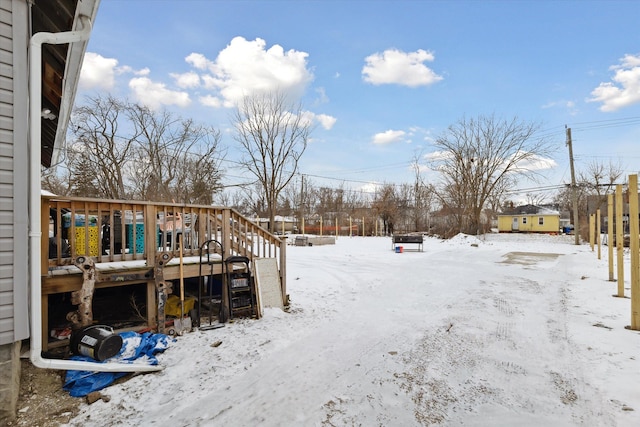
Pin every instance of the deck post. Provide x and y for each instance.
(226, 238)
(150, 234)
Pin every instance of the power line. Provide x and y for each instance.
(608, 123)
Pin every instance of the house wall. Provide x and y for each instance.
(551, 223)
(14, 309)
(14, 325)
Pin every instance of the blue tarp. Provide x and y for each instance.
(136, 348)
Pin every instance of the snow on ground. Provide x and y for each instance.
(500, 330)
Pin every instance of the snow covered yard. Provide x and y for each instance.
(459, 334)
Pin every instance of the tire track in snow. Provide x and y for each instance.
(521, 336)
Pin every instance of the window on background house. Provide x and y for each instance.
(541, 220)
(524, 219)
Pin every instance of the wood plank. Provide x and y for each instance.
(268, 286)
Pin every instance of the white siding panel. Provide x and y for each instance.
(6, 258)
(6, 83)
(7, 324)
(6, 122)
(6, 190)
(19, 208)
(6, 283)
(6, 298)
(6, 336)
(6, 177)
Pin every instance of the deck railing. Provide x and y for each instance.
(117, 230)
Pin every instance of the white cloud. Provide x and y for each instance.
(322, 96)
(210, 101)
(625, 88)
(242, 68)
(143, 72)
(388, 136)
(155, 95)
(437, 156)
(534, 163)
(569, 106)
(246, 67)
(326, 121)
(187, 80)
(396, 67)
(97, 72)
(371, 187)
(198, 60)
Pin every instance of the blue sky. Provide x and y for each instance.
(382, 79)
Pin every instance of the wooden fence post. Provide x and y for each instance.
(634, 244)
(592, 223)
(598, 233)
(610, 221)
(620, 241)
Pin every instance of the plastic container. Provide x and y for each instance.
(97, 341)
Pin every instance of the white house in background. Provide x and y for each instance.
(60, 69)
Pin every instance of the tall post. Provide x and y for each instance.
(610, 221)
(301, 224)
(592, 224)
(620, 241)
(320, 226)
(574, 190)
(350, 225)
(598, 233)
(362, 226)
(634, 244)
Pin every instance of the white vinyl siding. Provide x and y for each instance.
(14, 324)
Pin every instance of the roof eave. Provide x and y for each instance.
(75, 56)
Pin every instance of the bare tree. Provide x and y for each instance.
(273, 136)
(600, 178)
(237, 198)
(386, 207)
(564, 200)
(594, 183)
(483, 156)
(121, 150)
(57, 181)
(535, 199)
(423, 195)
(175, 159)
(100, 150)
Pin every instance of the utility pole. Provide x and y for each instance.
(574, 189)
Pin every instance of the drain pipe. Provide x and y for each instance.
(35, 231)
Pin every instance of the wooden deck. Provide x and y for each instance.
(115, 235)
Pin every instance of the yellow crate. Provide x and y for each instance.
(93, 241)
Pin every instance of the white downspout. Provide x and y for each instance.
(35, 232)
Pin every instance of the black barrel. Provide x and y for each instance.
(97, 341)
